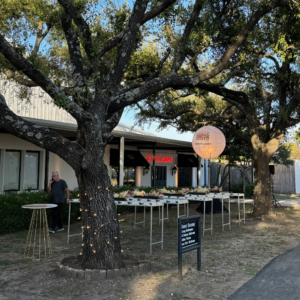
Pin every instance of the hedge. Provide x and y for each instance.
(238, 188)
(15, 218)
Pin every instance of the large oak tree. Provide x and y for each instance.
(90, 69)
(258, 110)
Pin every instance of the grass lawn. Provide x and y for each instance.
(229, 259)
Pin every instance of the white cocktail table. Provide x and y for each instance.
(146, 204)
(222, 198)
(38, 234)
(178, 201)
(69, 219)
(240, 197)
(204, 199)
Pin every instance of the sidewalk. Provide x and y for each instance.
(278, 280)
(284, 203)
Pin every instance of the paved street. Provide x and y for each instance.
(278, 280)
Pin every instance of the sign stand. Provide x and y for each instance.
(189, 238)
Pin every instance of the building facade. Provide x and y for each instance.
(134, 157)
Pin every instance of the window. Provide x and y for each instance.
(128, 176)
(12, 170)
(31, 174)
(114, 176)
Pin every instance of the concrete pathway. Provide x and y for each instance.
(278, 280)
(286, 203)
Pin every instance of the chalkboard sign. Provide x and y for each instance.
(189, 238)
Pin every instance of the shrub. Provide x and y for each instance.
(249, 190)
(238, 188)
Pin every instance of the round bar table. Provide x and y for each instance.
(38, 239)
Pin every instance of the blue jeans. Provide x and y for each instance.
(56, 221)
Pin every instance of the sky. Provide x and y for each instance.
(171, 133)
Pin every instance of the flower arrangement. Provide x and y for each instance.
(200, 190)
(160, 192)
(127, 194)
(184, 191)
(216, 189)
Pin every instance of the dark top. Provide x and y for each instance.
(58, 191)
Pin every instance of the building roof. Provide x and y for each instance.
(126, 128)
(133, 136)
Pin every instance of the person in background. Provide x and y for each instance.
(57, 187)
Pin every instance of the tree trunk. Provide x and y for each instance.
(262, 154)
(101, 246)
(262, 189)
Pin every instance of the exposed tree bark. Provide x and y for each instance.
(262, 154)
(101, 237)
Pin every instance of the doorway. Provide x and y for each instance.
(160, 176)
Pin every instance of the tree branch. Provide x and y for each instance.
(169, 30)
(180, 55)
(39, 136)
(85, 30)
(231, 75)
(39, 38)
(129, 38)
(177, 82)
(113, 42)
(157, 10)
(74, 50)
(22, 64)
(18, 78)
(263, 10)
(275, 62)
(160, 65)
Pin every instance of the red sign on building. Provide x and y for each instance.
(161, 159)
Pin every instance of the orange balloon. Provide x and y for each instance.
(209, 142)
